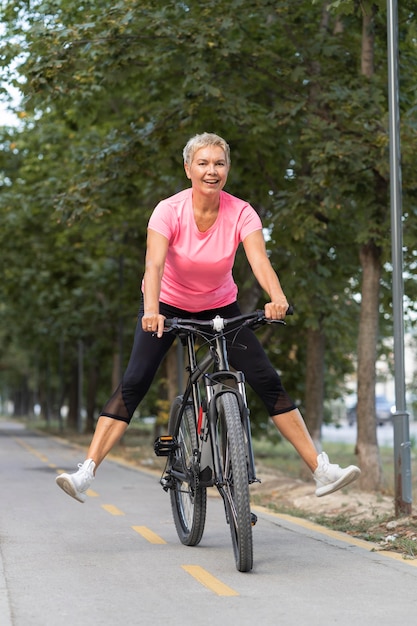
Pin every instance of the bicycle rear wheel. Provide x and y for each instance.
(188, 498)
(235, 490)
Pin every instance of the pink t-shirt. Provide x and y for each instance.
(198, 268)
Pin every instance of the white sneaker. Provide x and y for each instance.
(77, 483)
(330, 477)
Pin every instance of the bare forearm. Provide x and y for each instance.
(156, 251)
(151, 289)
(269, 281)
(278, 305)
(254, 245)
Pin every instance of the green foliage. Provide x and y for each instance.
(110, 96)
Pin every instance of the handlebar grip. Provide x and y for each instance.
(170, 323)
(290, 310)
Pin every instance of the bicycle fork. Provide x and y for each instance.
(210, 451)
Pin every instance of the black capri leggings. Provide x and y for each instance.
(148, 352)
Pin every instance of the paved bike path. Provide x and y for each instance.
(117, 559)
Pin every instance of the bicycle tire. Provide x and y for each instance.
(235, 490)
(188, 498)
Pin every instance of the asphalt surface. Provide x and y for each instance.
(117, 560)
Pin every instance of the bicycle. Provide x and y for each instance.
(209, 439)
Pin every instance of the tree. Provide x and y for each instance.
(112, 93)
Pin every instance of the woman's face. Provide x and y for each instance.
(208, 170)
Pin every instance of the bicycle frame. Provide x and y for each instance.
(205, 408)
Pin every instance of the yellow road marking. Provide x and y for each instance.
(209, 581)
(334, 534)
(32, 450)
(93, 494)
(340, 536)
(23, 444)
(148, 534)
(110, 508)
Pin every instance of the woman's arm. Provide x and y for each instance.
(156, 252)
(254, 245)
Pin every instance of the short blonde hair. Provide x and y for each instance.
(201, 141)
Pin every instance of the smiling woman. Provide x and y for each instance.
(192, 240)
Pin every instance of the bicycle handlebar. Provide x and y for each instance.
(219, 323)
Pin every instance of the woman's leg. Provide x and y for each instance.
(263, 378)
(292, 426)
(146, 356)
(107, 433)
(329, 477)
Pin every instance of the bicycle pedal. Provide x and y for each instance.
(166, 482)
(165, 445)
(253, 519)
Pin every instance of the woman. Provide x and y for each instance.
(191, 245)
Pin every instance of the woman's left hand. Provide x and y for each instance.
(276, 310)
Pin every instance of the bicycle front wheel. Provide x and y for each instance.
(235, 488)
(188, 498)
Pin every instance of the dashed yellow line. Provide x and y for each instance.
(148, 534)
(113, 510)
(92, 494)
(32, 450)
(209, 581)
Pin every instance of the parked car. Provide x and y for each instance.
(383, 409)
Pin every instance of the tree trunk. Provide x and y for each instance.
(368, 41)
(314, 395)
(92, 386)
(72, 419)
(22, 399)
(370, 258)
(367, 443)
(116, 368)
(314, 382)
